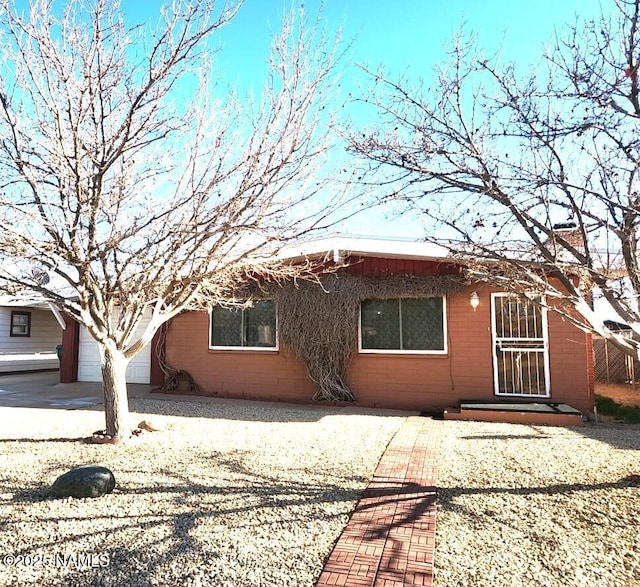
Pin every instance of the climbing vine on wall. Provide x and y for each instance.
(318, 320)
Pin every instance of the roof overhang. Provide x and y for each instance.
(338, 249)
(36, 303)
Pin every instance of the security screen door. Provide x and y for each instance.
(520, 343)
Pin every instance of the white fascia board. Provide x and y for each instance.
(34, 301)
(58, 315)
(343, 246)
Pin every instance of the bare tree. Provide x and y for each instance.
(126, 178)
(535, 176)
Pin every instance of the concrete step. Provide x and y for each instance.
(516, 413)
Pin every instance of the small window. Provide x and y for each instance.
(244, 328)
(403, 325)
(20, 324)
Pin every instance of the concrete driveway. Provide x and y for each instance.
(44, 390)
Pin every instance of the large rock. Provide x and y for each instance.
(84, 481)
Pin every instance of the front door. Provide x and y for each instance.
(520, 343)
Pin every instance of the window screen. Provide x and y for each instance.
(252, 327)
(403, 325)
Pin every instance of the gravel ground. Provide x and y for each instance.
(226, 495)
(538, 506)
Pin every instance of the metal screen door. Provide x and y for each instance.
(520, 357)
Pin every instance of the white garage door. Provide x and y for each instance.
(138, 370)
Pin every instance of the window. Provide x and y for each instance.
(406, 325)
(246, 328)
(20, 324)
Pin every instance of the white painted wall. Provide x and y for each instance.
(45, 332)
(89, 360)
(25, 353)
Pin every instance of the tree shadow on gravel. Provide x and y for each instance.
(504, 437)
(195, 501)
(414, 500)
(620, 436)
(447, 497)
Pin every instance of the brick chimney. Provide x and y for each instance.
(570, 233)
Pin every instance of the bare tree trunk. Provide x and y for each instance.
(114, 387)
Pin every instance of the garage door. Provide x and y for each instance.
(138, 370)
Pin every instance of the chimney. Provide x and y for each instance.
(570, 232)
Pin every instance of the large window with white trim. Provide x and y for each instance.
(403, 326)
(253, 327)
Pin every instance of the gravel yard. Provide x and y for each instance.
(227, 495)
(538, 506)
(235, 494)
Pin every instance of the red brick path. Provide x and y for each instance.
(389, 540)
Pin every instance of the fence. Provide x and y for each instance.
(613, 365)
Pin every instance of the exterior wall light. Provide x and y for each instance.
(474, 300)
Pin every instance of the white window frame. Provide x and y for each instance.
(445, 333)
(266, 349)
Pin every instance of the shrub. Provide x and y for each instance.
(608, 407)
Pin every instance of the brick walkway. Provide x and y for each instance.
(389, 540)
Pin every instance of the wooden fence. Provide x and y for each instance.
(613, 365)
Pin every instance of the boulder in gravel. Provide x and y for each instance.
(84, 481)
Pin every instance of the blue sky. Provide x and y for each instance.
(408, 33)
(405, 36)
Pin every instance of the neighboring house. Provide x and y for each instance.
(30, 331)
(426, 352)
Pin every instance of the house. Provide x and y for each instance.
(30, 331)
(388, 324)
(393, 325)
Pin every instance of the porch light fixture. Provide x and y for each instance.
(474, 300)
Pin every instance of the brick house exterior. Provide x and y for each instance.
(475, 363)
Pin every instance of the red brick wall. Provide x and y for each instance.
(432, 381)
(591, 368)
(156, 376)
(265, 375)
(570, 364)
(419, 382)
(70, 346)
